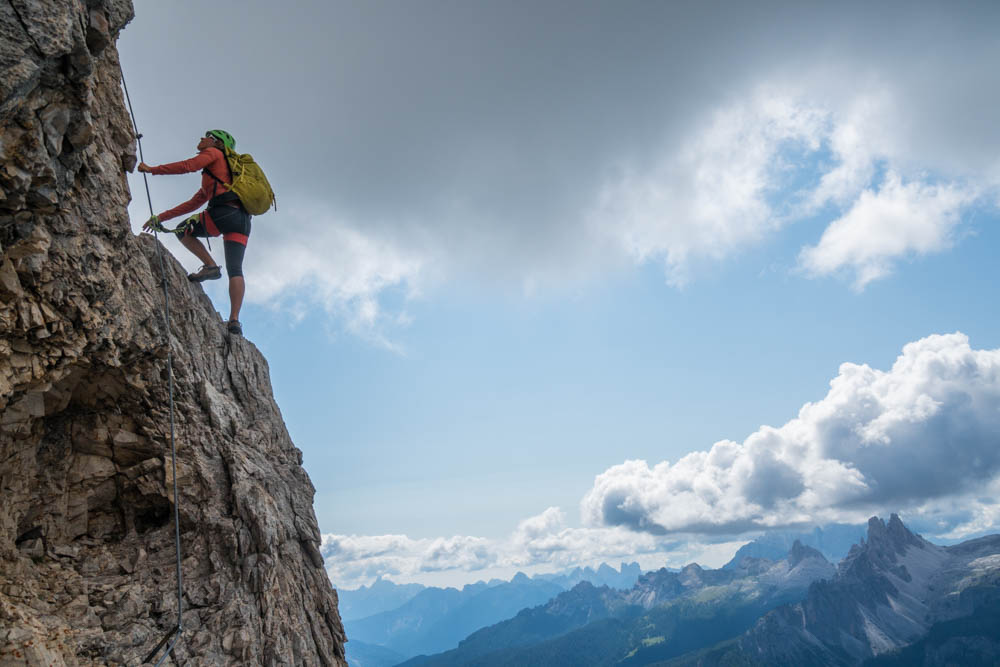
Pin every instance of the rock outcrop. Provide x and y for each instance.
(87, 558)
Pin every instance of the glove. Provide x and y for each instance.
(153, 225)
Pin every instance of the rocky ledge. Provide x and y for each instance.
(87, 558)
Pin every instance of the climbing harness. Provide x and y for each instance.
(187, 224)
(157, 226)
(175, 634)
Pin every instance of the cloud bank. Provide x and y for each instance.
(897, 220)
(923, 434)
(711, 195)
(338, 268)
(543, 542)
(922, 439)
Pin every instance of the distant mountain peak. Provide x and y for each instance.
(799, 552)
(901, 535)
(834, 541)
(889, 540)
(886, 593)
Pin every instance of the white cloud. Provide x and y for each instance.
(539, 543)
(860, 136)
(920, 438)
(329, 264)
(922, 432)
(711, 197)
(304, 257)
(771, 159)
(898, 220)
(458, 553)
(961, 516)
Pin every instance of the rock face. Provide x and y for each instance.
(87, 558)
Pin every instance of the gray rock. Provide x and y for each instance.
(87, 554)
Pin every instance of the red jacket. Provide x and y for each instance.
(212, 159)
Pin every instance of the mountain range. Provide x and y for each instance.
(605, 575)
(663, 615)
(433, 619)
(385, 595)
(890, 593)
(382, 595)
(895, 599)
(834, 541)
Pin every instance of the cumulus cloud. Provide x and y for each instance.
(773, 158)
(920, 438)
(860, 136)
(711, 196)
(924, 431)
(960, 516)
(897, 220)
(333, 265)
(542, 542)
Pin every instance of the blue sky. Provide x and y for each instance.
(497, 276)
(536, 395)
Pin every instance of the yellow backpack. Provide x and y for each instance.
(249, 182)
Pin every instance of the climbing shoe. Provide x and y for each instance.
(206, 273)
(235, 327)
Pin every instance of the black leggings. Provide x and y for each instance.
(230, 221)
(234, 257)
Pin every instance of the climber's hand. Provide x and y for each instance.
(152, 225)
(144, 168)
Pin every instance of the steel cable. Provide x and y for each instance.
(175, 634)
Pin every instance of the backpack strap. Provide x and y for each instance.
(217, 180)
(227, 197)
(208, 172)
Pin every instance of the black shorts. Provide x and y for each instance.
(233, 224)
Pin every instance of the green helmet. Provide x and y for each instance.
(223, 136)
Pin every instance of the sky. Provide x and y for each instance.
(557, 283)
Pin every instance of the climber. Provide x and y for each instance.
(225, 215)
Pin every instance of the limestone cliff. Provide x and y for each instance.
(86, 502)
